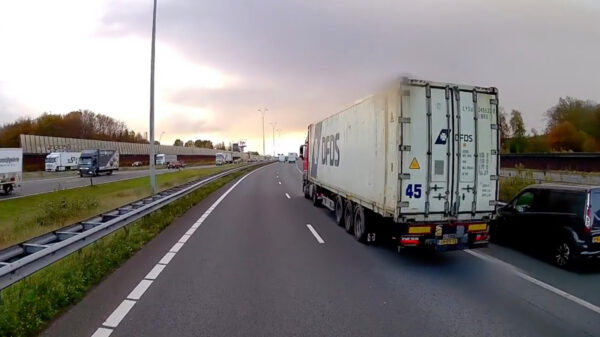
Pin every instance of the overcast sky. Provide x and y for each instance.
(218, 61)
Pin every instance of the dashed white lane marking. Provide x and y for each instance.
(287, 196)
(315, 234)
(115, 318)
(138, 291)
(167, 258)
(279, 182)
(121, 311)
(102, 332)
(153, 274)
(176, 247)
(535, 281)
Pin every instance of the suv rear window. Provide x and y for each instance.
(595, 200)
(563, 202)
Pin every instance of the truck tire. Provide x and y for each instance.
(360, 224)
(109, 173)
(306, 191)
(314, 195)
(348, 216)
(8, 189)
(339, 210)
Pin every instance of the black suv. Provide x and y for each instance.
(561, 220)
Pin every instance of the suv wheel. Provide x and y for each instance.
(563, 254)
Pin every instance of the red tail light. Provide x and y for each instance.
(588, 220)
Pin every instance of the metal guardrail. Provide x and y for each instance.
(24, 259)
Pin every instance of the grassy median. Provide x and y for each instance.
(27, 217)
(30, 304)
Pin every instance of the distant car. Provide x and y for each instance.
(176, 164)
(560, 221)
(136, 164)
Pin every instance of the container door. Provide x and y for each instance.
(475, 152)
(426, 150)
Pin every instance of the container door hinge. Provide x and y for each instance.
(404, 120)
(404, 148)
(403, 176)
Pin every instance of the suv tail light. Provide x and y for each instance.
(588, 219)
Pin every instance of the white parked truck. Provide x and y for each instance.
(223, 158)
(62, 161)
(417, 163)
(291, 158)
(11, 169)
(282, 158)
(165, 159)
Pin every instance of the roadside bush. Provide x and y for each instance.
(510, 186)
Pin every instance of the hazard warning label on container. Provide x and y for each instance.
(414, 164)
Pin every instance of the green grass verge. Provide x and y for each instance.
(24, 218)
(27, 306)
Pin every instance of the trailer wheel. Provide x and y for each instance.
(109, 173)
(339, 211)
(348, 216)
(306, 191)
(315, 199)
(360, 224)
(8, 189)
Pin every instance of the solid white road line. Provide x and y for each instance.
(287, 196)
(167, 258)
(153, 274)
(138, 291)
(535, 281)
(102, 332)
(315, 234)
(115, 318)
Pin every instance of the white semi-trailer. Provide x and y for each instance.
(418, 162)
(11, 169)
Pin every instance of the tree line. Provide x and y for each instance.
(83, 124)
(573, 125)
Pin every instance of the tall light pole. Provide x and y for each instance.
(278, 137)
(273, 124)
(152, 151)
(263, 111)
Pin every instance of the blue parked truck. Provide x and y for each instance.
(96, 162)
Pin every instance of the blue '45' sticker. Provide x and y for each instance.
(413, 192)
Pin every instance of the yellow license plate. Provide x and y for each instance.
(596, 239)
(477, 227)
(445, 242)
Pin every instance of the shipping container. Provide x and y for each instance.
(423, 155)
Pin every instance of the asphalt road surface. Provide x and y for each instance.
(245, 262)
(37, 186)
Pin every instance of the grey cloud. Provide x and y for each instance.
(312, 56)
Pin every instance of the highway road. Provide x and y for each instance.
(37, 186)
(257, 259)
